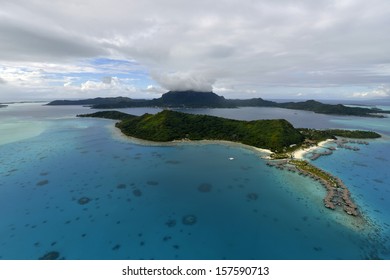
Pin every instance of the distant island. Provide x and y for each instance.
(193, 99)
(3, 105)
(278, 136)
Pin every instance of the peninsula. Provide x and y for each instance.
(169, 125)
(278, 136)
(193, 99)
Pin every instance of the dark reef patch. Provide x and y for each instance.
(53, 255)
(205, 187)
(171, 223)
(121, 186)
(189, 220)
(172, 162)
(84, 200)
(43, 182)
(137, 192)
(317, 249)
(166, 238)
(252, 196)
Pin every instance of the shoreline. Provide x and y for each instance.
(118, 134)
(300, 153)
(354, 218)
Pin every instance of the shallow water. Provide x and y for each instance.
(77, 190)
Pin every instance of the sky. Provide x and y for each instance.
(307, 49)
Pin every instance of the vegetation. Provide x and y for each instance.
(305, 166)
(277, 135)
(339, 109)
(358, 134)
(170, 125)
(113, 115)
(92, 101)
(321, 135)
(193, 99)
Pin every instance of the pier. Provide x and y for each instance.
(338, 195)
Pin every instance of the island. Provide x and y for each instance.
(3, 105)
(169, 125)
(193, 99)
(278, 136)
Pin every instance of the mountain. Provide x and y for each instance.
(193, 99)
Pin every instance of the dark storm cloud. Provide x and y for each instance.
(25, 43)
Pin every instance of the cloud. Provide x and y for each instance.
(2, 81)
(107, 80)
(253, 47)
(379, 92)
(30, 44)
(153, 89)
(180, 81)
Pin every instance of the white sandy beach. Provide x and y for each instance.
(298, 154)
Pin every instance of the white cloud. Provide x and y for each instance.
(379, 92)
(108, 84)
(154, 89)
(251, 45)
(180, 81)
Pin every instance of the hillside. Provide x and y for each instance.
(170, 125)
(192, 99)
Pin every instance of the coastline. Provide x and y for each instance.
(119, 135)
(299, 153)
(355, 220)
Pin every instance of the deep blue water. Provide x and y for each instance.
(74, 186)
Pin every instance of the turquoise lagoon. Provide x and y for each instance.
(77, 187)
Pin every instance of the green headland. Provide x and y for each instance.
(278, 135)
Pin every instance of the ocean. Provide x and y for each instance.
(75, 188)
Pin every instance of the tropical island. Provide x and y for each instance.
(278, 136)
(193, 99)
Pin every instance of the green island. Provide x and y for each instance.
(170, 125)
(278, 136)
